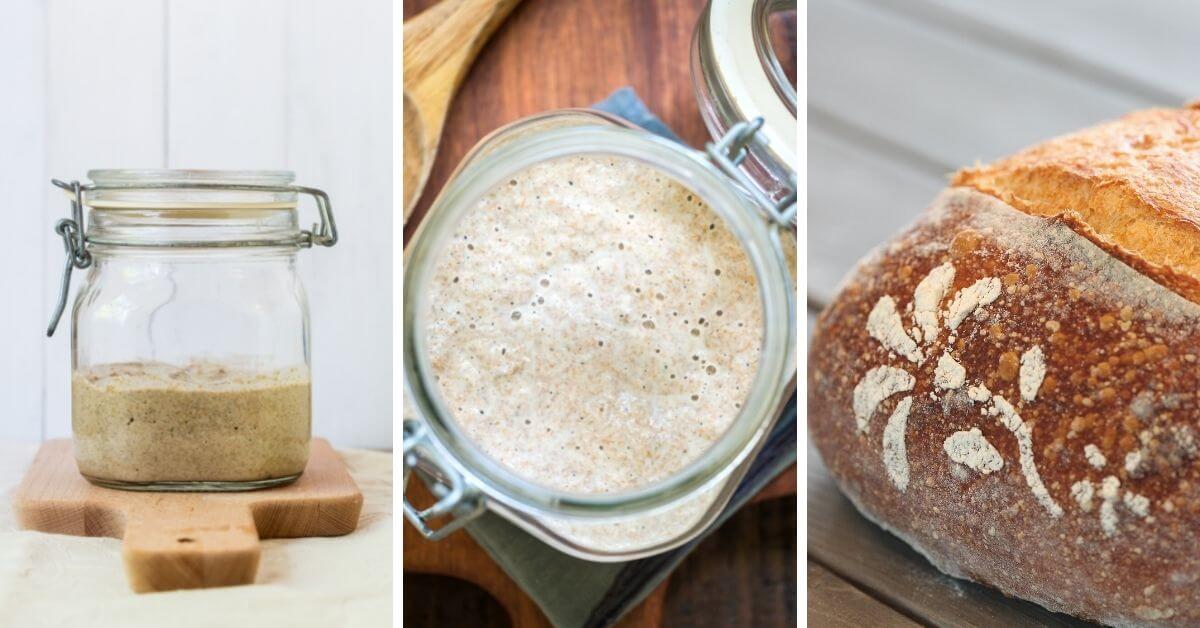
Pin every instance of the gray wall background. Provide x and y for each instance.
(901, 93)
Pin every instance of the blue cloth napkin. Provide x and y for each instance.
(575, 592)
(625, 103)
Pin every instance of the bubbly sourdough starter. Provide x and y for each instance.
(153, 422)
(593, 326)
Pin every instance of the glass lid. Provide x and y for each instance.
(743, 68)
(215, 208)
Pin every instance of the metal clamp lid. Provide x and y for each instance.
(731, 150)
(75, 240)
(455, 498)
(728, 153)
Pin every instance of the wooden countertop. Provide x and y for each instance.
(553, 54)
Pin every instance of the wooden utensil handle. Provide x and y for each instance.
(205, 545)
(446, 37)
(455, 21)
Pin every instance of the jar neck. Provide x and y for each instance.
(104, 255)
(202, 226)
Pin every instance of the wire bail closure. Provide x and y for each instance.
(74, 245)
(731, 150)
(455, 498)
(75, 241)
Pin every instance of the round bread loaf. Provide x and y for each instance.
(1011, 384)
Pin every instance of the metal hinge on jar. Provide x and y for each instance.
(731, 150)
(728, 153)
(456, 500)
(75, 242)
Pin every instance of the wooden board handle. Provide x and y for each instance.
(206, 545)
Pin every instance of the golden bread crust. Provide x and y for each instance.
(1134, 182)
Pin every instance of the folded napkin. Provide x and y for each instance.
(575, 592)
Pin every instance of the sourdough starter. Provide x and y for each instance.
(593, 326)
(153, 422)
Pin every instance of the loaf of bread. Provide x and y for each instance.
(1011, 384)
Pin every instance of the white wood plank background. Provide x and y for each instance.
(22, 162)
(903, 92)
(301, 85)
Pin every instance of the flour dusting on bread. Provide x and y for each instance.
(1033, 371)
(1110, 488)
(1011, 420)
(1139, 504)
(1083, 491)
(971, 298)
(1133, 461)
(878, 384)
(927, 299)
(978, 393)
(895, 453)
(949, 373)
(884, 325)
(972, 449)
(1094, 456)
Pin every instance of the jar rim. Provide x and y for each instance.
(176, 208)
(167, 190)
(494, 160)
(761, 15)
(133, 176)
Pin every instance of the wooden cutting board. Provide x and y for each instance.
(187, 540)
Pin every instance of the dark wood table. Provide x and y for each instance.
(568, 53)
(552, 54)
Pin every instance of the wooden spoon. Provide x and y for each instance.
(439, 46)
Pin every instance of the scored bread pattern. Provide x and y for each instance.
(969, 448)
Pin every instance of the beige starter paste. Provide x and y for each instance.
(154, 422)
(593, 326)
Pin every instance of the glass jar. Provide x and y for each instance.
(737, 76)
(190, 332)
(452, 450)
